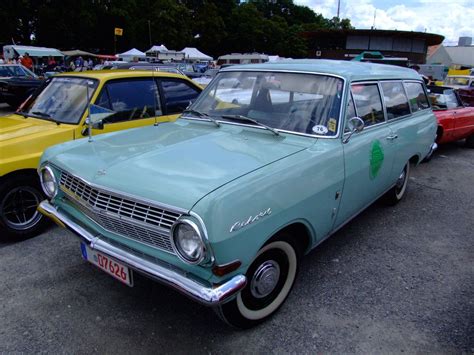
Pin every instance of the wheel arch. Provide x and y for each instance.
(22, 172)
(299, 231)
(415, 159)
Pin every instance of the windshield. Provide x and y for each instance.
(63, 100)
(16, 70)
(302, 103)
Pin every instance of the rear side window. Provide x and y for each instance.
(178, 95)
(396, 101)
(416, 96)
(368, 103)
(130, 99)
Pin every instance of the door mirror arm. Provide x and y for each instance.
(356, 125)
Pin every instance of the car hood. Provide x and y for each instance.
(175, 163)
(17, 127)
(24, 140)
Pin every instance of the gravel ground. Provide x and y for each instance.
(394, 280)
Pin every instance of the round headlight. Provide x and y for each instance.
(48, 182)
(187, 242)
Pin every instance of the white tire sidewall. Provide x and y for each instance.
(400, 194)
(272, 307)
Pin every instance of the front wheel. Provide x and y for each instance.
(19, 198)
(396, 193)
(270, 279)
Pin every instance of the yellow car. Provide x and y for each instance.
(57, 113)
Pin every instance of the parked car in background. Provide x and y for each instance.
(455, 120)
(467, 95)
(57, 113)
(145, 66)
(459, 81)
(17, 83)
(206, 78)
(223, 203)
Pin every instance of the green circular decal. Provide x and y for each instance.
(376, 159)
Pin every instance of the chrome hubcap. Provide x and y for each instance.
(265, 279)
(18, 208)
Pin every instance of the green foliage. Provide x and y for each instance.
(214, 26)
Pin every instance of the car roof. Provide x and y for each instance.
(351, 71)
(121, 73)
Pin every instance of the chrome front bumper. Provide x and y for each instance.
(209, 296)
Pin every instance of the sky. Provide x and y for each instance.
(450, 18)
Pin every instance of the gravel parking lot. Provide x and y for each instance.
(398, 279)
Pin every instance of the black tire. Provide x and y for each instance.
(19, 198)
(396, 193)
(470, 141)
(277, 265)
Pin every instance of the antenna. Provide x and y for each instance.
(375, 14)
(154, 95)
(88, 119)
(338, 7)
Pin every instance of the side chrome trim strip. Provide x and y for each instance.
(209, 296)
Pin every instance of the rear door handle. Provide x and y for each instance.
(392, 137)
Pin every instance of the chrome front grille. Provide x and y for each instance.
(136, 220)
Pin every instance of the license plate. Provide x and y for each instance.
(108, 264)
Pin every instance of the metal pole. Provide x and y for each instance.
(149, 32)
(338, 7)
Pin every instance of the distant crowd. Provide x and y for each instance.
(44, 64)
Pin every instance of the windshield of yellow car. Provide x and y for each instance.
(62, 100)
(291, 102)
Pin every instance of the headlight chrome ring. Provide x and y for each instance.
(185, 244)
(48, 181)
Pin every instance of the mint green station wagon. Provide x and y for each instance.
(268, 162)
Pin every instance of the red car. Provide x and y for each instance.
(467, 95)
(455, 121)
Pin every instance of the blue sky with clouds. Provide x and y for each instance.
(450, 18)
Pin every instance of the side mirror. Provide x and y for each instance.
(95, 125)
(98, 125)
(355, 125)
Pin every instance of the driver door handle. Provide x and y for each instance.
(392, 137)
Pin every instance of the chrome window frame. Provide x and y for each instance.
(376, 82)
(343, 100)
(423, 86)
(385, 106)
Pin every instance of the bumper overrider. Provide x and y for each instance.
(210, 296)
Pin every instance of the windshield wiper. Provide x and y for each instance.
(202, 115)
(44, 115)
(245, 118)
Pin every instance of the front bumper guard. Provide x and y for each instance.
(210, 296)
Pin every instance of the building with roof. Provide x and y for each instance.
(346, 44)
(460, 56)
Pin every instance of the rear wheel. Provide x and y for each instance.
(396, 193)
(19, 199)
(270, 279)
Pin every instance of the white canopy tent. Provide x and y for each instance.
(162, 53)
(131, 55)
(10, 51)
(191, 53)
(160, 48)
